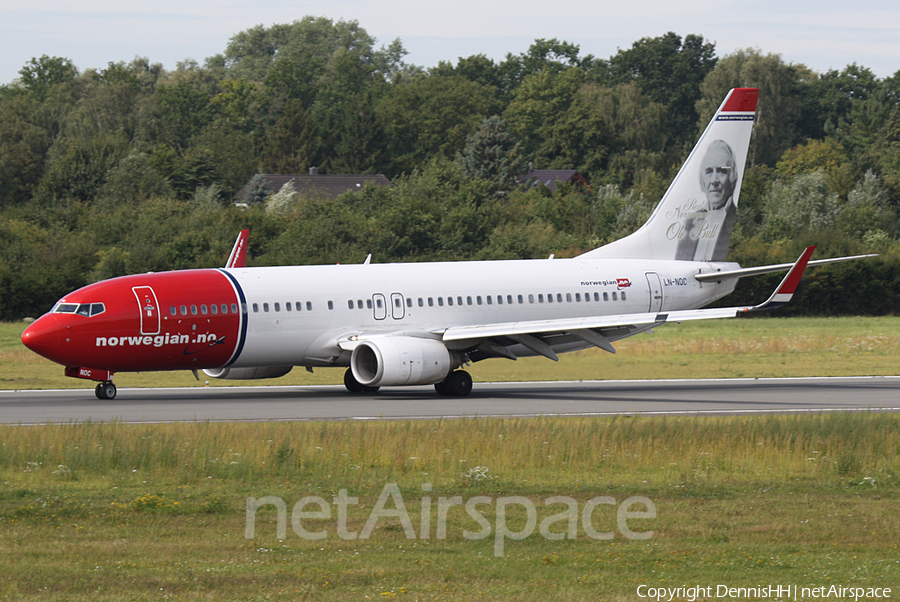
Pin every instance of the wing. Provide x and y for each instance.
(492, 340)
(238, 257)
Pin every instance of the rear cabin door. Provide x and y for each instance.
(656, 291)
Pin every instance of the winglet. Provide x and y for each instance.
(785, 290)
(238, 257)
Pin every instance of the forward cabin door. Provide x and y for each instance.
(149, 307)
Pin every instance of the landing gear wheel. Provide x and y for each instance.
(457, 384)
(105, 391)
(354, 386)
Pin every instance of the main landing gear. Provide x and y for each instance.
(354, 386)
(457, 384)
(105, 390)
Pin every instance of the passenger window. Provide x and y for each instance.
(597, 296)
(255, 308)
(277, 306)
(359, 304)
(430, 302)
(499, 299)
(540, 298)
(421, 302)
(478, 299)
(409, 302)
(568, 297)
(203, 309)
(606, 296)
(530, 298)
(214, 309)
(559, 297)
(350, 304)
(489, 300)
(468, 300)
(378, 302)
(309, 306)
(266, 307)
(331, 305)
(397, 302)
(298, 306)
(550, 298)
(183, 310)
(623, 295)
(234, 307)
(450, 301)
(521, 300)
(614, 296)
(173, 310)
(441, 301)
(193, 310)
(287, 306)
(578, 297)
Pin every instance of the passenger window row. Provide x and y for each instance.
(213, 309)
(492, 300)
(289, 306)
(449, 301)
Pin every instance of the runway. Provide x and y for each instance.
(582, 398)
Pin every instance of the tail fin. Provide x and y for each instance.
(695, 217)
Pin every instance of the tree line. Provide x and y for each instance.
(133, 168)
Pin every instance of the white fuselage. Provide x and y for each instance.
(296, 315)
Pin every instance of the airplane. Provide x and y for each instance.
(402, 324)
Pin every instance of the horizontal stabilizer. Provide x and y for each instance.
(770, 269)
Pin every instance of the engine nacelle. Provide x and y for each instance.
(399, 360)
(249, 373)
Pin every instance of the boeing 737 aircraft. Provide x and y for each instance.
(416, 324)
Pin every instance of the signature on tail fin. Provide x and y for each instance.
(695, 218)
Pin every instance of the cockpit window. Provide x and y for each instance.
(82, 309)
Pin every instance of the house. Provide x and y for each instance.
(553, 178)
(313, 185)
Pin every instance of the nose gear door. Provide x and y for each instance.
(149, 307)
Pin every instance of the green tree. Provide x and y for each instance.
(431, 116)
(492, 153)
(668, 70)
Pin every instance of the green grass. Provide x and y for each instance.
(138, 512)
(134, 512)
(754, 347)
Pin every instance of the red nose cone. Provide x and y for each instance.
(42, 336)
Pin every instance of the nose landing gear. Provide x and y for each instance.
(105, 390)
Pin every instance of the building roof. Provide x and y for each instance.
(552, 178)
(315, 185)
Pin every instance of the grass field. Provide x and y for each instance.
(148, 512)
(743, 347)
(115, 512)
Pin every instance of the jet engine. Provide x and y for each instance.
(249, 373)
(400, 360)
